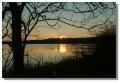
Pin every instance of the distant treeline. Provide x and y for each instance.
(64, 40)
(58, 40)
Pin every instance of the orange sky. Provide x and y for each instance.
(61, 29)
(67, 31)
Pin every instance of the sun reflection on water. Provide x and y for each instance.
(62, 48)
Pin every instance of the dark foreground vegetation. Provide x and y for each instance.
(102, 64)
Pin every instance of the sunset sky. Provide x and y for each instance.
(62, 29)
(43, 31)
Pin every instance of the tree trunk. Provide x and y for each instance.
(18, 54)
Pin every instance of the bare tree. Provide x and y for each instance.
(27, 16)
(16, 11)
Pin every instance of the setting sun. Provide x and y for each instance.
(62, 37)
(59, 39)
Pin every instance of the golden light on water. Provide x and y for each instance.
(62, 48)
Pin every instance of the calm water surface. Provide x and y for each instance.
(52, 53)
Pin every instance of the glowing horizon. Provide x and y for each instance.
(44, 31)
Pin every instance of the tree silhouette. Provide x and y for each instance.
(36, 13)
(18, 55)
